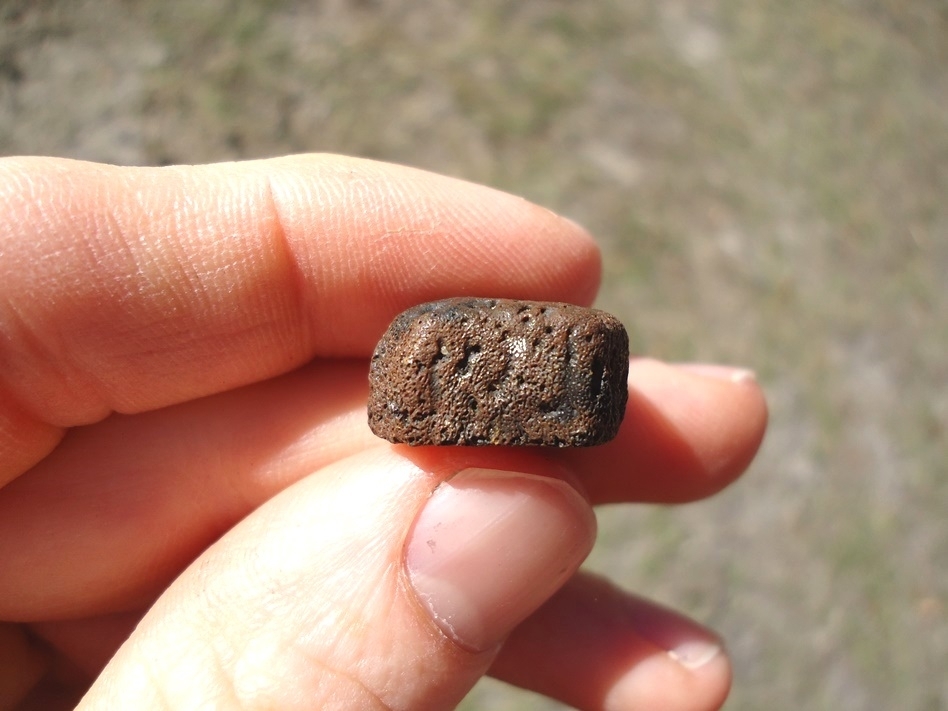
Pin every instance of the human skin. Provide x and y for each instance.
(193, 512)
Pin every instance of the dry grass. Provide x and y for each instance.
(769, 182)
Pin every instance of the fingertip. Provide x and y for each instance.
(595, 646)
(735, 428)
(418, 236)
(489, 547)
(688, 432)
(585, 254)
(718, 414)
(665, 681)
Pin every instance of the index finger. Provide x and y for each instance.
(127, 289)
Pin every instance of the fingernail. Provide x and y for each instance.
(694, 654)
(703, 666)
(491, 546)
(721, 372)
(682, 641)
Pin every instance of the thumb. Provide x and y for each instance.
(374, 583)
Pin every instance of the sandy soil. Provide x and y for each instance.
(768, 180)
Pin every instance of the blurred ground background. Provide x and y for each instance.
(769, 181)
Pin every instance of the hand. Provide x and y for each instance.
(193, 513)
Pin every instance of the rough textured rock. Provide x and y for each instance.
(474, 371)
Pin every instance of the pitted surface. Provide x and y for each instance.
(472, 371)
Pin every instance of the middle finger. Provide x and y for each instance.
(116, 512)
